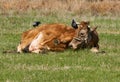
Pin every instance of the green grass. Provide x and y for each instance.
(67, 66)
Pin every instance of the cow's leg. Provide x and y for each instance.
(19, 49)
(36, 42)
(37, 51)
(95, 48)
(22, 48)
(66, 39)
(57, 49)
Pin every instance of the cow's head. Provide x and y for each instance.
(82, 34)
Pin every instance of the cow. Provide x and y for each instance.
(58, 37)
(46, 37)
(85, 37)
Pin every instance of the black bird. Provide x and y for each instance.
(36, 23)
(73, 24)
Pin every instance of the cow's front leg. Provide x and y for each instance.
(66, 39)
(94, 49)
(57, 49)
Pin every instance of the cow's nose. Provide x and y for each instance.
(81, 34)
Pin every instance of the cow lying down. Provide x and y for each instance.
(58, 37)
(53, 37)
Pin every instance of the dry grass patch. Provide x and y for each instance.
(106, 7)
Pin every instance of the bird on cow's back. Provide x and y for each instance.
(36, 23)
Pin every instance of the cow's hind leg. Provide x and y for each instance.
(19, 49)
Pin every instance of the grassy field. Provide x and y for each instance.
(67, 66)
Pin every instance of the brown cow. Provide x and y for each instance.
(56, 37)
(53, 37)
(85, 37)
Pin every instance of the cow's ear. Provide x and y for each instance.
(74, 24)
(94, 29)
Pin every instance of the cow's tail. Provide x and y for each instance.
(10, 51)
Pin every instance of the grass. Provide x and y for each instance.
(67, 66)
